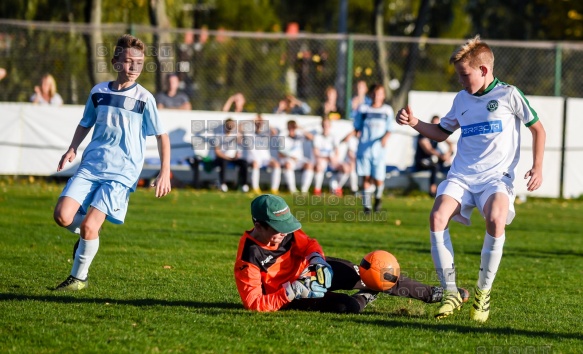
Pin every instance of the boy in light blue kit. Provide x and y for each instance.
(373, 124)
(122, 114)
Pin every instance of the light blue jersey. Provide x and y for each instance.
(121, 120)
(373, 123)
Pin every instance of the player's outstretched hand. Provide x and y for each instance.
(162, 184)
(322, 270)
(311, 280)
(299, 290)
(69, 156)
(535, 181)
(405, 117)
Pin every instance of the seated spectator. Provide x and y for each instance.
(360, 98)
(235, 103)
(347, 167)
(260, 156)
(428, 156)
(325, 151)
(329, 107)
(172, 98)
(291, 105)
(227, 151)
(46, 93)
(292, 158)
(2, 73)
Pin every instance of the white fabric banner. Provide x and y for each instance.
(33, 138)
(573, 183)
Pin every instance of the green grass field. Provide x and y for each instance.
(163, 282)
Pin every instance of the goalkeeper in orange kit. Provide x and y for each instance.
(279, 267)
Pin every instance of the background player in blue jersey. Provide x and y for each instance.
(489, 114)
(122, 113)
(373, 126)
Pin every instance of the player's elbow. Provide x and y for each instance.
(441, 137)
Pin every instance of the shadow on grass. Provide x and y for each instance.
(530, 253)
(415, 246)
(67, 299)
(468, 329)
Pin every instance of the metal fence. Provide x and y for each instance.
(265, 66)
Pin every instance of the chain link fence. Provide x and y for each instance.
(214, 65)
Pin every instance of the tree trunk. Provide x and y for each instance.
(165, 49)
(413, 57)
(99, 53)
(382, 57)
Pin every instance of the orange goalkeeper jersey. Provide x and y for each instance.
(260, 271)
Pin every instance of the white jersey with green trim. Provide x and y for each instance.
(489, 145)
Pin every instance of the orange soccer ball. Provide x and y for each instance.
(379, 270)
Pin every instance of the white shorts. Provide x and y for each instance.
(262, 157)
(109, 197)
(476, 197)
(296, 164)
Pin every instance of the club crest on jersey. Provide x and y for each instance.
(129, 103)
(492, 105)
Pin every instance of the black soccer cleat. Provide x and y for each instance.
(378, 203)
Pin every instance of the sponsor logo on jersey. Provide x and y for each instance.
(492, 105)
(494, 126)
(263, 262)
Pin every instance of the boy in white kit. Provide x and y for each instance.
(259, 155)
(292, 158)
(489, 114)
(122, 113)
(325, 151)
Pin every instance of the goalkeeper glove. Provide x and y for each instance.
(321, 268)
(299, 290)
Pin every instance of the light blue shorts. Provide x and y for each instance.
(109, 197)
(374, 167)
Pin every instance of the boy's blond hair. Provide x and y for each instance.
(475, 52)
(127, 41)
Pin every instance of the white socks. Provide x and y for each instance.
(275, 179)
(290, 179)
(83, 257)
(367, 196)
(318, 180)
(307, 177)
(442, 254)
(255, 179)
(76, 224)
(379, 191)
(353, 181)
(491, 256)
(342, 178)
